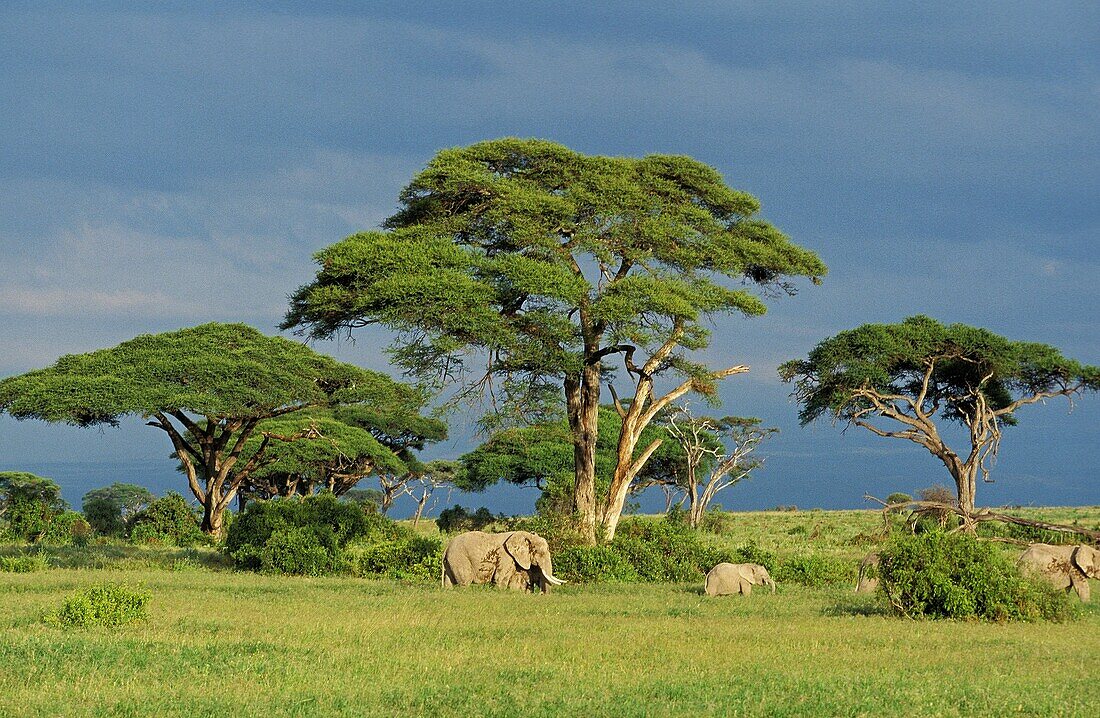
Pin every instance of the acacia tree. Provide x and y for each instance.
(515, 268)
(717, 454)
(207, 387)
(110, 508)
(330, 455)
(919, 373)
(404, 432)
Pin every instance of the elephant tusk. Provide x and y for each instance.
(553, 581)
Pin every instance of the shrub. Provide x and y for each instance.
(751, 553)
(296, 551)
(898, 497)
(814, 570)
(560, 531)
(593, 564)
(290, 535)
(27, 563)
(67, 529)
(666, 550)
(168, 521)
(941, 575)
(407, 557)
(102, 605)
(717, 522)
(456, 519)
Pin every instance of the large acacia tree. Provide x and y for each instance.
(516, 269)
(904, 380)
(208, 388)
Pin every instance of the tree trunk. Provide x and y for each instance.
(583, 404)
(696, 507)
(419, 510)
(212, 517)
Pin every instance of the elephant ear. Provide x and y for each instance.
(1086, 559)
(519, 548)
(747, 572)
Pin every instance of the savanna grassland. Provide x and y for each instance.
(219, 642)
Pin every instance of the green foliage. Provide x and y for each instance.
(106, 604)
(66, 528)
(297, 550)
(485, 251)
(167, 521)
(594, 564)
(29, 504)
(542, 456)
(898, 497)
(457, 519)
(892, 357)
(109, 509)
(328, 451)
(751, 553)
(406, 556)
(25, 563)
(291, 534)
(814, 570)
(213, 370)
(942, 575)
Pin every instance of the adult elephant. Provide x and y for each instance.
(1065, 567)
(519, 560)
(728, 578)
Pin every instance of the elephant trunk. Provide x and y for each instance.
(771, 584)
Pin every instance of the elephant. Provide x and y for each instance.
(1064, 567)
(518, 560)
(728, 578)
(867, 581)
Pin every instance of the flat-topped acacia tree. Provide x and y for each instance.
(516, 268)
(919, 373)
(207, 387)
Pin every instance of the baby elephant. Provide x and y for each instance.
(727, 578)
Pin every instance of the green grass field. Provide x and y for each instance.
(221, 643)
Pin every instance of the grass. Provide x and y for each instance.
(223, 643)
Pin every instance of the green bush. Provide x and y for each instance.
(66, 529)
(102, 605)
(290, 535)
(405, 557)
(751, 553)
(167, 521)
(717, 522)
(27, 563)
(297, 551)
(942, 575)
(814, 570)
(666, 550)
(457, 519)
(593, 564)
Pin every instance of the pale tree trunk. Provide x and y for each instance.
(643, 409)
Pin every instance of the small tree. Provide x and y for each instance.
(920, 373)
(28, 503)
(434, 475)
(109, 509)
(717, 454)
(208, 388)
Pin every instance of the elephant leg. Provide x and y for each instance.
(1081, 586)
(746, 587)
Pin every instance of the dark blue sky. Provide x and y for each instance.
(161, 168)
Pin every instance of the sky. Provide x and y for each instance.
(164, 165)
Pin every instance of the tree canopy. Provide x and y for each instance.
(516, 268)
(921, 371)
(108, 509)
(207, 387)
